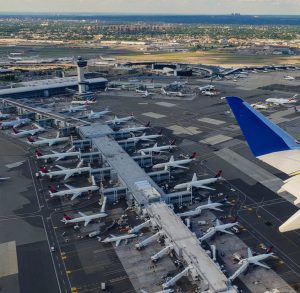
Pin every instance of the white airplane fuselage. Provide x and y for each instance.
(50, 141)
(172, 164)
(157, 149)
(196, 184)
(86, 218)
(71, 172)
(79, 191)
(59, 156)
(29, 132)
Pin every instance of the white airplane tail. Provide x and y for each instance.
(250, 254)
(93, 181)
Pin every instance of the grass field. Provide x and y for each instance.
(226, 59)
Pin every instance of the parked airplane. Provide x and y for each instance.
(177, 94)
(195, 183)
(4, 178)
(31, 132)
(163, 291)
(65, 171)
(282, 101)
(158, 149)
(271, 144)
(209, 206)
(206, 88)
(118, 239)
(73, 191)
(259, 106)
(144, 93)
(86, 102)
(117, 120)
(74, 109)
(175, 164)
(98, 115)
(254, 260)
(218, 228)
(86, 218)
(134, 129)
(107, 58)
(288, 77)
(48, 141)
(4, 116)
(14, 123)
(57, 156)
(208, 93)
(144, 137)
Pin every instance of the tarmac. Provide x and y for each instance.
(202, 124)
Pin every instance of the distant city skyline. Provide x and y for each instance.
(260, 7)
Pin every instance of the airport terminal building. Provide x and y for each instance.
(51, 87)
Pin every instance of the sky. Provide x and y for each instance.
(279, 7)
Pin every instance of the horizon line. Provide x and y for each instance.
(137, 14)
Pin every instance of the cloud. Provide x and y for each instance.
(155, 6)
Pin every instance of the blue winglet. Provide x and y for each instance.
(262, 136)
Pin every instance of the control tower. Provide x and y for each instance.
(81, 65)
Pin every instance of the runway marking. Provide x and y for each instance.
(211, 121)
(216, 139)
(154, 115)
(190, 130)
(165, 104)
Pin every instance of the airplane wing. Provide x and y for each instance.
(75, 195)
(178, 166)
(69, 186)
(271, 144)
(261, 265)
(118, 242)
(225, 231)
(103, 204)
(60, 167)
(68, 175)
(216, 209)
(201, 186)
(59, 158)
(86, 222)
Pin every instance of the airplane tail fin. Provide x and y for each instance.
(44, 170)
(173, 142)
(148, 124)
(160, 132)
(263, 136)
(171, 159)
(38, 153)
(270, 249)
(93, 181)
(52, 189)
(66, 218)
(193, 156)
(218, 174)
(295, 109)
(30, 139)
(15, 130)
